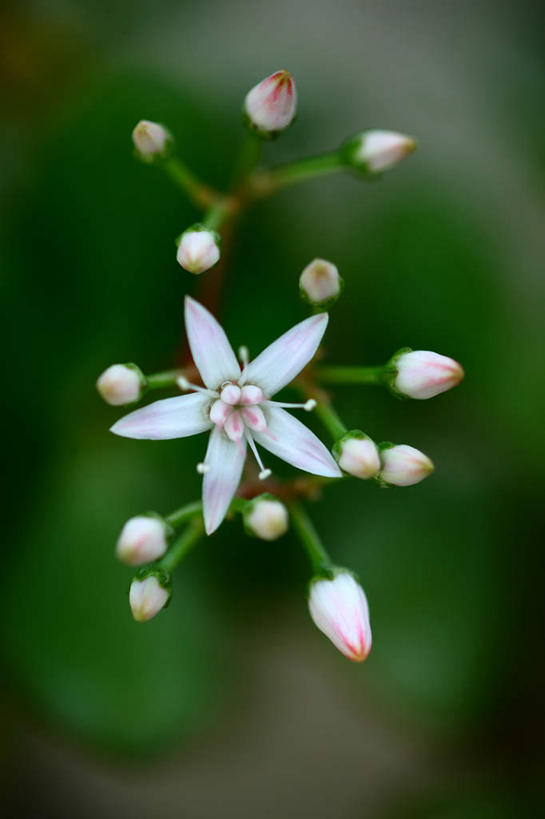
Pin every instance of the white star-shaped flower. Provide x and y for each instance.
(235, 405)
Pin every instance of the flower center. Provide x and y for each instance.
(237, 410)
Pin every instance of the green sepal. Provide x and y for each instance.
(197, 228)
(390, 373)
(261, 133)
(353, 433)
(163, 578)
(348, 154)
(379, 480)
(326, 304)
(329, 572)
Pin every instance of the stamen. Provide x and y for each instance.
(308, 406)
(265, 473)
(185, 385)
(244, 355)
(203, 468)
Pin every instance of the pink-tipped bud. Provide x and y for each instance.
(198, 249)
(357, 455)
(142, 539)
(121, 384)
(147, 597)
(422, 374)
(270, 106)
(266, 518)
(320, 283)
(339, 609)
(403, 465)
(373, 152)
(151, 140)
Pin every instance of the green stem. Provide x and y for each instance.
(310, 539)
(201, 195)
(185, 513)
(216, 214)
(267, 182)
(250, 153)
(158, 381)
(330, 419)
(182, 545)
(350, 375)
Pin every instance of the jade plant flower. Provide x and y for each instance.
(235, 406)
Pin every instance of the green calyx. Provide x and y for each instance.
(325, 304)
(351, 434)
(161, 575)
(141, 377)
(197, 228)
(390, 372)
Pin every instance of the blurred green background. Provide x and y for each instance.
(231, 703)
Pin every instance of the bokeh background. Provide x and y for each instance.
(231, 703)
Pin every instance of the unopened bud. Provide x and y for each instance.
(403, 465)
(121, 384)
(270, 106)
(373, 152)
(339, 609)
(149, 593)
(198, 249)
(151, 140)
(266, 517)
(422, 374)
(142, 539)
(357, 454)
(320, 283)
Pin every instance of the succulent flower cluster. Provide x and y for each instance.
(230, 397)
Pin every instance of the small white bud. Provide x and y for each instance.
(147, 597)
(339, 609)
(142, 539)
(266, 517)
(271, 105)
(357, 455)
(198, 250)
(120, 384)
(150, 139)
(373, 152)
(320, 283)
(422, 374)
(403, 465)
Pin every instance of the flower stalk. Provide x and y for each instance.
(201, 194)
(322, 565)
(351, 375)
(183, 544)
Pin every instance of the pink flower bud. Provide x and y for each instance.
(150, 139)
(339, 609)
(373, 152)
(403, 465)
(357, 455)
(270, 105)
(320, 283)
(147, 597)
(198, 250)
(422, 374)
(120, 384)
(266, 518)
(142, 539)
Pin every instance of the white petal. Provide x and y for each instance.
(211, 351)
(292, 441)
(224, 460)
(169, 418)
(282, 360)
